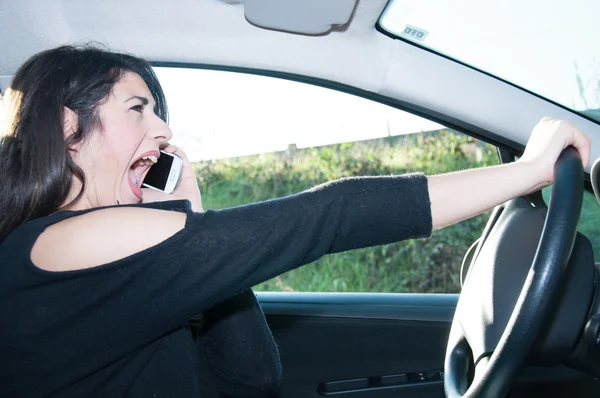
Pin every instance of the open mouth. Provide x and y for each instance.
(138, 171)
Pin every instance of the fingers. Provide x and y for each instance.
(578, 140)
(176, 150)
(583, 144)
(571, 136)
(169, 148)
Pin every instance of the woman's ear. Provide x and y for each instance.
(70, 122)
(70, 127)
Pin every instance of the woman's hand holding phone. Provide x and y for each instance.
(188, 186)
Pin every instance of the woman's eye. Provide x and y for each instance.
(137, 108)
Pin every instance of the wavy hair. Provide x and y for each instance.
(35, 160)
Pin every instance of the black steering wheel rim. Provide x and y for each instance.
(495, 374)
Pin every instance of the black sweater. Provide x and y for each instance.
(120, 329)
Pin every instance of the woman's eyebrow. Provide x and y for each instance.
(144, 100)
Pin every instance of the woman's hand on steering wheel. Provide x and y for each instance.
(548, 139)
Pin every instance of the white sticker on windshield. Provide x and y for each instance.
(414, 33)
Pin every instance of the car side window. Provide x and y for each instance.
(260, 138)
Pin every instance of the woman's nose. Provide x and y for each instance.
(161, 131)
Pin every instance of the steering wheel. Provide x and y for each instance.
(484, 355)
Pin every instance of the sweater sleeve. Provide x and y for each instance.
(243, 246)
(126, 304)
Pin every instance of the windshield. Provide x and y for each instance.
(549, 48)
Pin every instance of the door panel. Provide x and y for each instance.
(363, 345)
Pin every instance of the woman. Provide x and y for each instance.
(100, 277)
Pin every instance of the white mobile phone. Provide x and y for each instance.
(165, 174)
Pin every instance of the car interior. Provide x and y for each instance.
(526, 322)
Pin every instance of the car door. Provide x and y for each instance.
(370, 344)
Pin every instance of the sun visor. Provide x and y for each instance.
(310, 17)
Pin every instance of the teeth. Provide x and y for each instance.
(153, 159)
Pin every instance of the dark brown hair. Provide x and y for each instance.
(36, 166)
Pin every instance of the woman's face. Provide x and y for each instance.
(116, 158)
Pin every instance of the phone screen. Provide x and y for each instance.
(159, 173)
